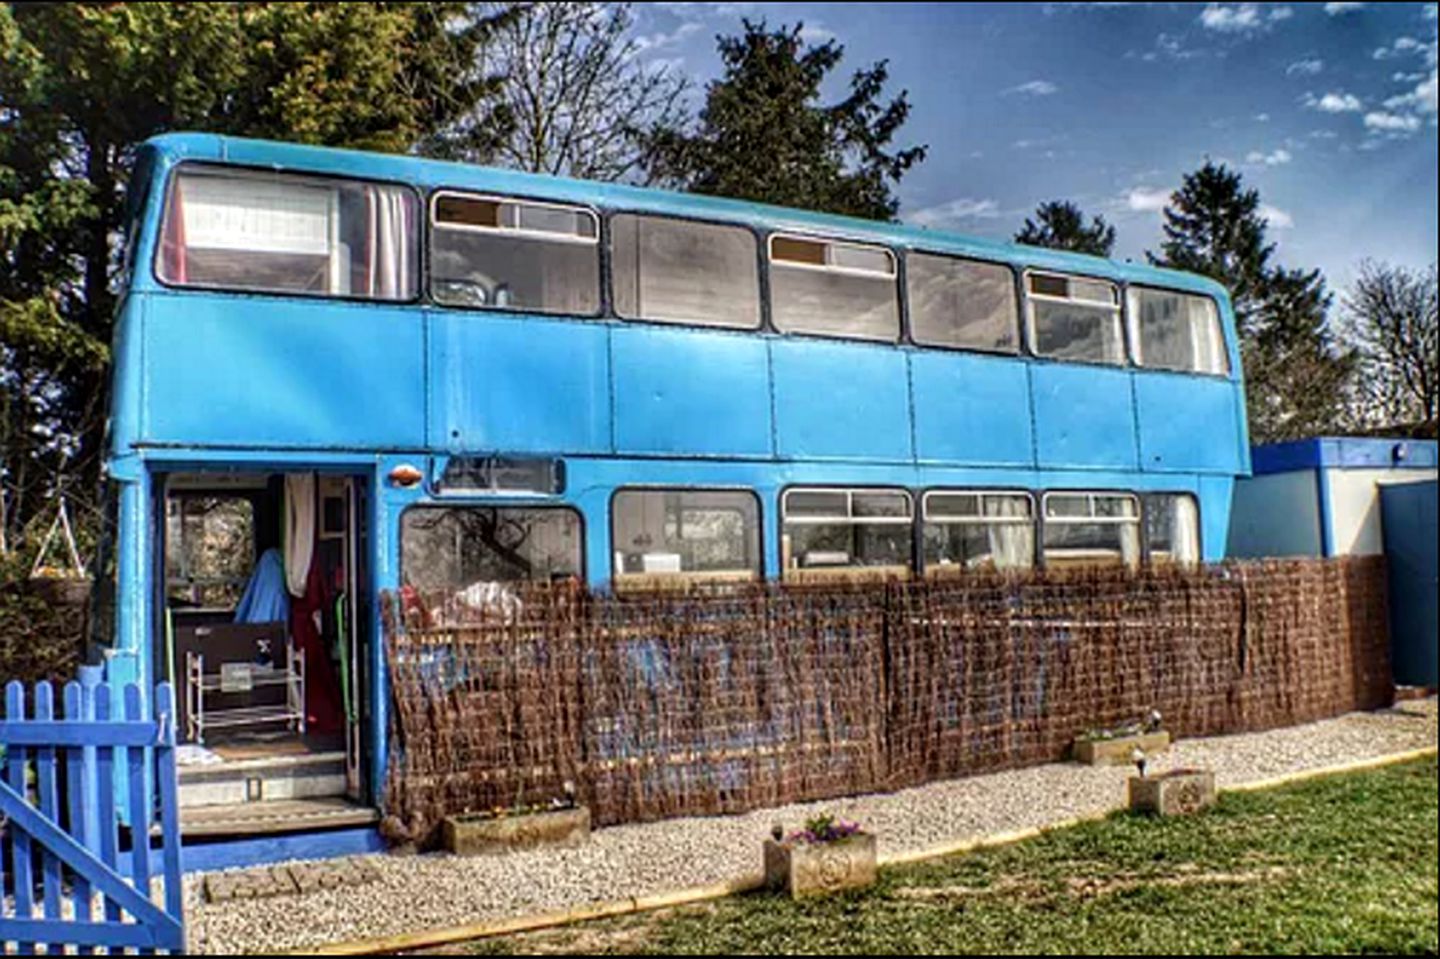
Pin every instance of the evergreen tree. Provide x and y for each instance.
(1295, 372)
(82, 83)
(1060, 225)
(764, 135)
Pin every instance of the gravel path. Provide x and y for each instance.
(416, 893)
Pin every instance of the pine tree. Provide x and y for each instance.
(1295, 372)
(764, 135)
(1060, 225)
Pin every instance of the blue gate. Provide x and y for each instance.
(65, 863)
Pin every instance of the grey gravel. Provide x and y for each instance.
(417, 893)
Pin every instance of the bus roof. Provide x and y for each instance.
(432, 174)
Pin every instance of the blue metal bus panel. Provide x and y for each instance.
(972, 409)
(690, 393)
(233, 370)
(522, 384)
(1188, 423)
(1083, 417)
(841, 401)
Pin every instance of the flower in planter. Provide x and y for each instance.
(825, 828)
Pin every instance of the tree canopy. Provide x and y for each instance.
(1060, 225)
(764, 134)
(1295, 371)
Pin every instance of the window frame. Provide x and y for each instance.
(1043, 519)
(1146, 551)
(172, 176)
(922, 517)
(1132, 332)
(473, 502)
(602, 291)
(1125, 361)
(803, 574)
(250, 496)
(621, 581)
(762, 286)
(895, 277)
(1016, 289)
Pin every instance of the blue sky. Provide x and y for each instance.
(1328, 109)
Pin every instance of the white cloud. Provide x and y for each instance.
(1277, 157)
(1033, 88)
(658, 41)
(1147, 200)
(1262, 117)
(1336, 9)
(955, 211)
(1275, 217)
(1308, 67)
(816, 33)
(1392, 122)
(1422, 99)
(1241, 17)
(1334, 103)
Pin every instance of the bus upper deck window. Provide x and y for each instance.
(491, 252)
(279, 233)
(1074, 318)
(1176, 331)
(833, 289)
(962, 303)
(681, 271)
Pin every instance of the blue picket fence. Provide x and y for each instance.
(70, 880)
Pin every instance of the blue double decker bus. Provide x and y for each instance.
(341, 373)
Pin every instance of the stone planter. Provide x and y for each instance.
(474, 833)
(1178, 792)
(1120, 750)
(813, 869)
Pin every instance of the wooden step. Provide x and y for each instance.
(274, 817)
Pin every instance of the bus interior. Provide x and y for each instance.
(262, 633)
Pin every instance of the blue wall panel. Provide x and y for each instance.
(531, 385)
(841, 400)
(1187, 423)
(1083, 417)
(690, 393)
(260, 372)
(971, 409)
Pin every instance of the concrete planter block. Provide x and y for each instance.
(813, 869)
(475, 833)
(1119, 751)
(1178, 792)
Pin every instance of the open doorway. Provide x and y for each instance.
(261, 633)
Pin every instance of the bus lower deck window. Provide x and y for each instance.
(1176, 331)
(967, 530)
(1172, 528)
(831, 288)
(464, 560)
(681, 271)
(489, 252)
(707, 533)
(278, 233)
(846, 529)
(1074, 318)
(1086, 529)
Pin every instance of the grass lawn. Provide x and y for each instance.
(1339, 864)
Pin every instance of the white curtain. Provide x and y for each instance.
(390, 227)
(299, 529)
(1185, 530)
(1206, 343)
(1012, 544)
(1130, 543)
